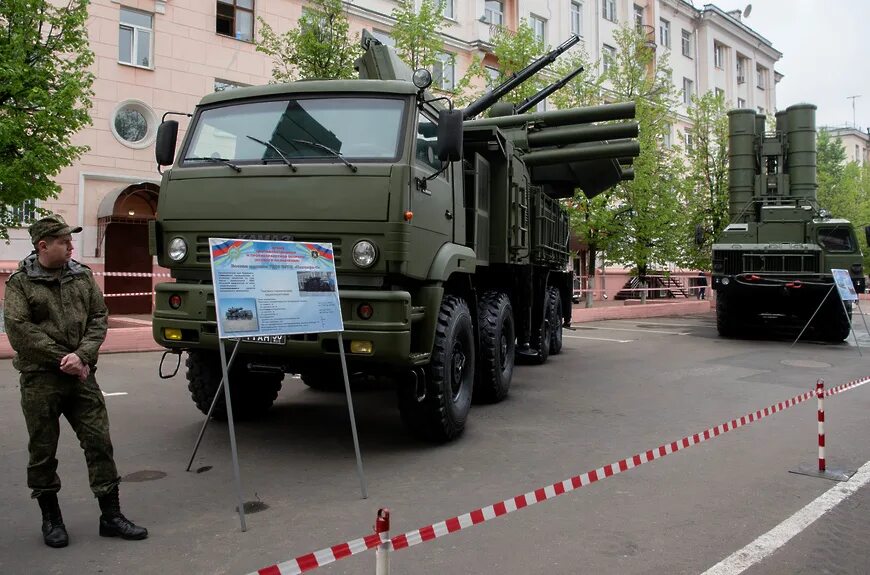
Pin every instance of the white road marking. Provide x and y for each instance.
(114, 393)
(640, 330)
(599, 338)
(741, 560)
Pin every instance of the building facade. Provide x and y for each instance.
(160, 56)
(855, 143)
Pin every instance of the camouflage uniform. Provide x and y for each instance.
(48, 315)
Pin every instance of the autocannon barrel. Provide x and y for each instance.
(585, 152)
(532, 101)
(487, 100)
(584, 115)
(580, 134)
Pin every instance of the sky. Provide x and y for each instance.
(825, 56)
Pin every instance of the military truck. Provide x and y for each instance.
(239, 313)
(451, 247)
(772, 263)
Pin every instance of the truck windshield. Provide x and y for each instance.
(353, 127)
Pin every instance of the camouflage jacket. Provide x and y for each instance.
(48, 316)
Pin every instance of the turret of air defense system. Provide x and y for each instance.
(451, 246)
(773, 262)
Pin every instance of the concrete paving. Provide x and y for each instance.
(619, 387)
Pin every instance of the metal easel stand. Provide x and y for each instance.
(833, 286)
(359, 466)
(225, 388)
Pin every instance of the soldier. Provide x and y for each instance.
(56, 320)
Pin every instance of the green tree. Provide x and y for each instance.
(417, 32)
(648, 209)
(707, 176)
(45, 98)
(830, 162)
(582, 90)
(514, 51)
(320, 46)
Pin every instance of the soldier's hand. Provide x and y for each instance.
(71, 364)
(85, 372)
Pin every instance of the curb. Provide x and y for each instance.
(139, 339)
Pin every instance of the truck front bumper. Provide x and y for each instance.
(385, 337)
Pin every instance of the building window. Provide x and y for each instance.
(761, 74)
(383, 37)
(638, 18)
(610, 10)
(718, 55)
(665, 33)
(542, 107)
(444, 72)
(447, 9)
(236, 18)
(690, 142)
(741, 70)
(134, 124)
(24, 213)
(720, 93)
(494, 12)
(666, 137)
(134, 38)
(577, 18)
(492, 74)
(608, 57)
(222, 85)
(687, 43)
(857, 154)
(741, 103)
(539, 27)
(688, 91)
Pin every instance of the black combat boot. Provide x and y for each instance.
(53, 530)
(112, 521)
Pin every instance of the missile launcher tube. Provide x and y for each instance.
(606, 112)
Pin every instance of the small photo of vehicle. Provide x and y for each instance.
(316, 281)
(238, 315)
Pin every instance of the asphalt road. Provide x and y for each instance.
(618, 388)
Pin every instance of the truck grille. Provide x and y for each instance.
(202, 245)
(737, 262)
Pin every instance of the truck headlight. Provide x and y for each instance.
(177, 249)
(365, 254)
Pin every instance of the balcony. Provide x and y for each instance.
(649, 34)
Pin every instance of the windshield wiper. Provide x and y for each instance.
(335, 153)
(223, 161)
(275, 149)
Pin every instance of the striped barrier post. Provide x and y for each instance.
(382, 553)
(820, 394)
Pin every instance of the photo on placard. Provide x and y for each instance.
(313, 282)
(238, 315)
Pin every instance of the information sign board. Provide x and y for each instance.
(845, 285)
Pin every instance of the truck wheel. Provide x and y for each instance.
(440, 415)
(253, 393)
(833, 323)
(323, 379)
(541, 340)
(726, 322)
(555, 321)
(497, 344)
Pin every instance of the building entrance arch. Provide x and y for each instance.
(122, 226)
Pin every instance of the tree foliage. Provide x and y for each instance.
(707, 176)
(417, 32)
(319, 47)
(45, 98)
(648, 209)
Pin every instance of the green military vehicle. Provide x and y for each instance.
(451, 248)
(772, 263)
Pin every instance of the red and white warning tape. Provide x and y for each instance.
(332, 554)
(112, 274)
(137, 294)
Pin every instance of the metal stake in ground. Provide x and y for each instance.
(822, 471)
(359, 467)
(233, 432)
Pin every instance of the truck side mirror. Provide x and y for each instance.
(449, 135)
(164, 148)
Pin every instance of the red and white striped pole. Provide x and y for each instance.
(382, 552)
(820, 394)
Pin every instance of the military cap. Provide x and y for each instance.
(50, 226)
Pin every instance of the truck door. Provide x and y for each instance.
(433, 206)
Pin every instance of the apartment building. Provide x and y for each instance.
(159, 56)
(855, 143)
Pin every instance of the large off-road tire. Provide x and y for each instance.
(441, 413)
(253, 393)
(832, 323)
(497, 345)
(727, 318)
(323, 379)
(555, 321)
(541, 339)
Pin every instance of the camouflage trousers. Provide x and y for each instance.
(44, 398)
